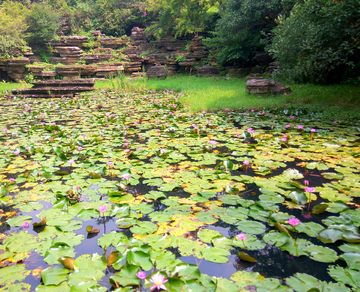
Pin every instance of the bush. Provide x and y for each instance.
(242, 28)
(43, 22)
(319, 42)
(12, 27)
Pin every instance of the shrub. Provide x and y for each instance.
(319, 42)
(43, 23)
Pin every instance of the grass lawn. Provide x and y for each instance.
(201, 93)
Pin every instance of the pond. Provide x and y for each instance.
(117, 191)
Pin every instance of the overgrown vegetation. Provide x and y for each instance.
(319, 42)
(201, 93)
(314, 41)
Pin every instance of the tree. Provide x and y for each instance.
(43, 22)
(12, 26)
(319, 42)
(243, 27)
(181, 16)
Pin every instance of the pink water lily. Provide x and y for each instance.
(71, 161)
(110, 163)
(294, 221)
(125, 176)
(241, 236)
(158, 280)
(102, 209)
(246, 162)
(251, 131)
(25, 225)
(212, 142)
(141, 275)
(309, 189)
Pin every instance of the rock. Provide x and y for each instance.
(281, 89)
(15, 68)
(207, 71)
(109, 69)
(113, 42)
(135, 57)
(263, 86)
(96, 34)
(75, 71)
(157, 71)
(132, 67)
(91, 59)
(138, 34)
(56, 88)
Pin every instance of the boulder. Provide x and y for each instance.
(207, 71)
(157, 71)
(260, 85)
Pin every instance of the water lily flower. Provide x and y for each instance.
(300, 127)
(25, 225)
(246, 162)
(294, 221)
(141, 275)
(251, 131)
(17, 152)
(306, 182)
(11, 179)
(162, 151)
(71, 161)
(309, 189)
(109, 163)
(291, 117)
(284, 139)
(313, 130)
(158, 280)
(102, 209)
(125, 176)
(241, 236)
(5, 130)
(287, 126)
(80, 148)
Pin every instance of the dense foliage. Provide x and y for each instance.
(319, 42)
(243, 26)
(182, 16)
(314, 41)
(12, 26)
(43, 22)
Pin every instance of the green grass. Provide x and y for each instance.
(201, 93)
(6, 87)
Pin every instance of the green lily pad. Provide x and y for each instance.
(252, 227)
